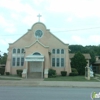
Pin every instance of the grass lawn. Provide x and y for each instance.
(70, 78)
(10, 77)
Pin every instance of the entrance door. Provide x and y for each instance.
(35, 66)
(35, 70)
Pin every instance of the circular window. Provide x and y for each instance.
(38, 33)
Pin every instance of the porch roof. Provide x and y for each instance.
(34, 58)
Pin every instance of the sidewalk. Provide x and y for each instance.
(70, 84)
(32, 82)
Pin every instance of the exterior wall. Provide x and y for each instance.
(48, 39)
(38, 48)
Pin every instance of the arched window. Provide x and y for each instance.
(22, 51)
(14, 50)
(58, 51)
(36, 53)
(62, 51)
(18, 50)
(53, 51)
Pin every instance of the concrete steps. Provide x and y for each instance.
(35, 75)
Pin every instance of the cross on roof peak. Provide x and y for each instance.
(39, 16)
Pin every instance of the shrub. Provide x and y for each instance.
(63, 73)
(94, 74)
(19, 72)
(74, 72)
(52, 73)
(7, 73)
(2, 70)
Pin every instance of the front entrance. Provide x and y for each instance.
(35, 65)
(35, 69)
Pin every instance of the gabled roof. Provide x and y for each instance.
(97, 62)
(59, 39)
(38, 23)
(87, 56)
(46, 29)
(37, 41)
(49, 31)
(2, 65)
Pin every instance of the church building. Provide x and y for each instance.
(36, 52)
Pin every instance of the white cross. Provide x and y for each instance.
(39, 17)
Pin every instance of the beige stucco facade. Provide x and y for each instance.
(44, 45)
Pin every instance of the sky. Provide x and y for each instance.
(75, 22)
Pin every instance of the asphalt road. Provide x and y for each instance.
(46, 93)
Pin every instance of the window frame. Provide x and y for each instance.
(53, 62)
(13, 61)
(18, 51)
(22, 50)
(53, 51)
(58, 62)
(18, 61)
(62, 62)
(58, 51)
(62, 51)
(22, 61)
(14, 51)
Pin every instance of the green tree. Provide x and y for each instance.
(79, 62)
(3, 58)
(93, 59)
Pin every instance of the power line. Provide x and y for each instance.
(62, 31)
(78, 29)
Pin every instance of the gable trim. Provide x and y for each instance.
(39, 43)
(57, 38)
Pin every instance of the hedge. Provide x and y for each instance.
(74, 72)
(2, 71)
(51, 73)
(19, 72)
(7, 73)
(63, 73)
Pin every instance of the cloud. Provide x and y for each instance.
(7, 25)
(38, 2)
(3, 21)
(95, 38)
(15, 16)
(69, 19)
(10, 30)
(90, 40)
(31, 18)
(5, 41)
(24, 12)
(80, 8)
(17, 6)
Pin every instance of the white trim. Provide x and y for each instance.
(36, 42)
(34, 58)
